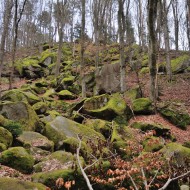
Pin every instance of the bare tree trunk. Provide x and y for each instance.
(166, 40)
(6, 21)
(121, 24)
(176, 22)
(152, 14)
(16, 24)
(83, 84)
(188, 21)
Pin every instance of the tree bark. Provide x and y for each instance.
(121, 24)
(83, 84)
(6, 21)
(152, 14)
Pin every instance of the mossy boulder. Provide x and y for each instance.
(6, 137)
(158, 128)
(33, 139)
(17, 158)
(175, 113)
(107, 107)
(47, 57)
(49, 178)
(177, 150)
(57, 160)
(2, 147)
(62, 128)
(16, 95)
(102, 126)
(180, 64)
(49, 93)
(133, 93)
(142, 106)
(16, 184)
(20, 112)
(40, 107)
(153, 144)
(66, 95)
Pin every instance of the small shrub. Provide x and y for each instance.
(14, 127)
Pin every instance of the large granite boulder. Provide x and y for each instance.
(108, 78)
(61, 128)
(16, 184)
(17, 158)
(20, 112)
(107, 107)
(57, 160)
(33, 139)
(17, 95)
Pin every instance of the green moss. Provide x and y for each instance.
(18, 158)
(5, 137)
(2, 147)
(133, 93)
(40, 107)
(158, 128)
(16, 184)
(50, 92)
(142, 106)
(182, 151)
(49, 178)
(15, 128)
(178, 117)
(176, 63)
(47, 53)
(153, 144)
(20, 65)
(65, 94)
(144, 70)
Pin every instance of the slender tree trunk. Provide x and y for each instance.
(16, 24)
(152, 14)
(188, 22)
(166, 41)
(6, 21)
(83, 84)
(121, 24)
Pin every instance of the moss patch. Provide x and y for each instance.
(142, 106)
(17, 158)
(15, 184)
(5, 137)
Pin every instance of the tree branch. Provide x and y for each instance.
(81, 168)
(173, 179)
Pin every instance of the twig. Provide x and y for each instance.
(173, 179)
(81, 168)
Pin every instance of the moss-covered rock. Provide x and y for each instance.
(101, 126)
(20, 112)
(47, 57)
(16, 184)
(49, 93)
(133, 93)
(144, 70)
(49, 178)
(17, 158)
(175, 114)
(6, 137)
(177, 150)
(153, 144)
(40, 107)
(158, 128)
(2, 147)
(66, 95)
(16, 95)
(33, 139)
(57, 160)
(142, 106)
(61, 128)
(107, 107)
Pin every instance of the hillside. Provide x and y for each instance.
(44, 119)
